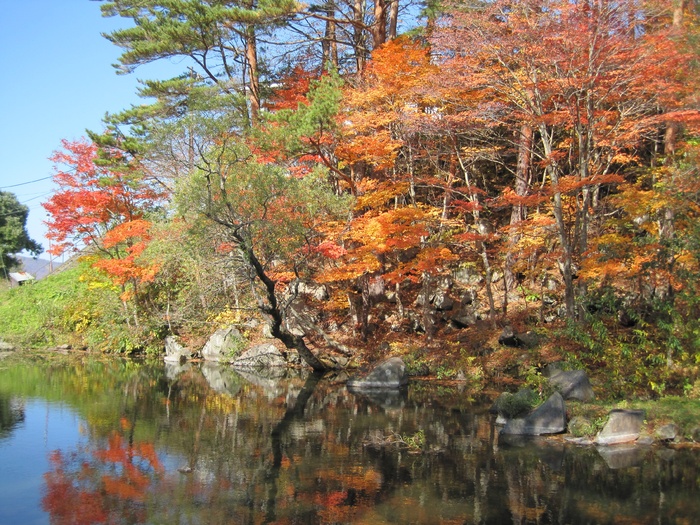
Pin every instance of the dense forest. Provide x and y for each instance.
(399, 177)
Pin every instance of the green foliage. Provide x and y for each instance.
(13, 231)
(292, 129)
(518, 404)
(38, 315)
(415, 442)
(76, 306)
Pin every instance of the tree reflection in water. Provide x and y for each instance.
(302, 449)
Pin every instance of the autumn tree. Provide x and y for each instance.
(578, 84)
(272, 220)
(102, 203)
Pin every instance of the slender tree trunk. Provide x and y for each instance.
(379, 27)
(359, 44)
(393, 18)
(330, 43)
(519, 211)
(566, 259)
(251, 54)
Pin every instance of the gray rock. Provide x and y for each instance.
(222, 345)
(260, 357)
(645, 440)
(510, 338)
(7, 347)
(623, 426)
(464, 316)
(573, 384)
(695, 434)
(442, 300)
(468, 276)
(390, 373)
(316, 291)
(667, 432)
(175, 352)
(548, 418)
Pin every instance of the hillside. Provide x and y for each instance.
(38, 267)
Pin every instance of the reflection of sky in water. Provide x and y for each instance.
(24, 460)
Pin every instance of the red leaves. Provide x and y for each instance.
(91, 199)
(94, 490)
(331, 250)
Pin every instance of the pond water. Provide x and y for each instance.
(111, 441)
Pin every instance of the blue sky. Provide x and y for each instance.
(56, 81)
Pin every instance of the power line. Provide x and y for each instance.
(25, 183)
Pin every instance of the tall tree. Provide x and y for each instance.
(586, 77)
(272, 221)
(102, 202)
(13, 231)
(219, 37)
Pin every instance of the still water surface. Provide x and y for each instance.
(96, 441)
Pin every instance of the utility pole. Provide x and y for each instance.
(4, 268)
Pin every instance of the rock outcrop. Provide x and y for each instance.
(548, 418)
(623, 426)
(222, 346)
(572, 384)
(388, 374)
(175, 352)
(260, 357)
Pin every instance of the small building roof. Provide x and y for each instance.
(20, 277)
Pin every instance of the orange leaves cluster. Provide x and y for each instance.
(393, 89)
(127, 241)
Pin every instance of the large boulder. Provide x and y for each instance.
(510, 338)
(572, 384)
(390, 373)
(175, 352)
(260, 357)
(667, 432)
(548, 418)
(623, 426)
(223, 345)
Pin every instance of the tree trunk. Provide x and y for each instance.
(272, 308)
(330, 43)
(566, 259)
(519, 211)
(379, 27)
(359, 45)
(393, 18)
(251, 55)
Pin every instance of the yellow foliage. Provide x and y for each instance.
(225, 318)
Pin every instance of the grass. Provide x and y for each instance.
(31, 315)
(682, 411)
